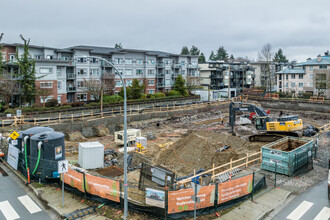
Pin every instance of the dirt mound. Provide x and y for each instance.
(194, 152)
(74, 136)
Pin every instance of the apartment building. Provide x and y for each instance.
(310, 76)
(215, 75)
(265, 73)
(65, 71)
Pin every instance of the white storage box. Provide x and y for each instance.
(131, 136)
(91, 155)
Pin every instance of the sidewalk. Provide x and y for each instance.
(52, 197)
(262, 205)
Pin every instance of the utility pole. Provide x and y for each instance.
(229, 82)
(243, 78)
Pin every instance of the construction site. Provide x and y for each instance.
(205, 145)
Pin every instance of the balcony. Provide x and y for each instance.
(70, 76)
(176, 66)
(71, 89)
(160, 75)
(160, 85)
(160, 65)
(192, 66)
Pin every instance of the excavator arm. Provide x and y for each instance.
(243, 107)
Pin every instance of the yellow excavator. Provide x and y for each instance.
(269, 129)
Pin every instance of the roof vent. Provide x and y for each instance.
(326, 53)
(319, 58)
(308, 59)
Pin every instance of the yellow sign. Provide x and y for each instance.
(14, 135)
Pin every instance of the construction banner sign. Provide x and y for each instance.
(179, 201)
(102, 187)
(74, 179)
(234, 188)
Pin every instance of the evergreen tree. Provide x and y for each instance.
(194, 51)
(279, 57)
(119, 46)
(232, 58)
(222, 54)
(26, 73)
(136, 89)
(179, 85)
(185, 50)
(212, 56)
(201, 58)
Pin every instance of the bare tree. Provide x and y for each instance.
(43, 93)
(266, 55)
(93, 87)
(192, 82)
(7, 87)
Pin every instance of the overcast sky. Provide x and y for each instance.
(300, 27)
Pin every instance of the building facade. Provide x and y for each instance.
(215, 76)
(311, 76)
(66, 71)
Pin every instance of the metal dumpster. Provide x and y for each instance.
(289, 154)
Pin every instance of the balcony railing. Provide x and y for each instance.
(160, 85)
(160, 65)
(71, 89)
(192, 66)
(70, 75)
(176, 66)
(160, 75)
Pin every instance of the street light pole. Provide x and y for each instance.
(125, 132)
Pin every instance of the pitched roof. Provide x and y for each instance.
(294, 70)
(324, 60)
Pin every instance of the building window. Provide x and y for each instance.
(58, 71)
(139, 62)
(118, 60)
(293, 85)
(310, 68)
(287, 77)
(49, 57)
(151, 62)
(182, 63)
(46, 70)
(46, 85)
(94, 60)
(129, 82)
(151, 82)
(301, 85)
(129, 72)
(167, 62)
(118, 83)
(82, 97)
(59, 85)
(81, 71)
(167, 72)
(44, 100)
(151, 91)
(311, 76)
(94, 72)
(82, 60)
(139, 71)
(59, 99)
(80, 84)
(311, 84)
(287, 85)
(323, 67)
(167, 82)
(128, 61)
(38, 57)
(183, 72)
(11, 57)
(150, 72)
(293, 76)
(301, 76)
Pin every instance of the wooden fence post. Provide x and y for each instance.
(82, 115)
(35, 121)
(213, 173)
(231, 164)
(59, 117)
(72, 118)
(48, 120)
(247, 159)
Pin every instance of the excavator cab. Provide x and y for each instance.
(261, 123)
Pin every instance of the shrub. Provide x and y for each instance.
(174, 93)
(112, 98)
(51, 103)
(307, 95)
(10, 111)
(64, 107)
(159, 95)
(77, 104)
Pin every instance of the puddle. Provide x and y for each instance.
(2, 172)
